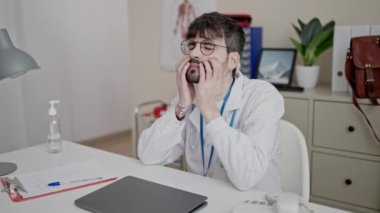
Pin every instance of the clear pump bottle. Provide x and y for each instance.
(54, 136)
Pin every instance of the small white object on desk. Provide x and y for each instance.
(287, 203)
(284, 202)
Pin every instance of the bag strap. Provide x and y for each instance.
(349, 69)
(355, 102)
(370, 82)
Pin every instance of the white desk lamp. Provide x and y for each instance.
(13, 63)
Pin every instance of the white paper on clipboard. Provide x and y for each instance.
(70, 176)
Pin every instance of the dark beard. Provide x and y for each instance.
(193, 73)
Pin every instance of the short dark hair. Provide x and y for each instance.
(218, 25)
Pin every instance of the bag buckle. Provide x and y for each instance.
(370, 81)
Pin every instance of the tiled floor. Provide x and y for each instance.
(119, 143)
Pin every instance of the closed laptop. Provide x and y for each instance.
(132, 194)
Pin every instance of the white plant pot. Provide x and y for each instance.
(307, 76)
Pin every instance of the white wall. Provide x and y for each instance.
(44, 26)
(82, 48)
(99, 63)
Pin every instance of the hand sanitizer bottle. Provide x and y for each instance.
(54, 136)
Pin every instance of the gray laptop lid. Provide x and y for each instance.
(132, 194)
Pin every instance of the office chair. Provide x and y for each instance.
(294, 163)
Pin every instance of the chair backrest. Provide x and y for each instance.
(294, 163)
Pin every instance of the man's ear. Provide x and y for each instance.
(233, 60)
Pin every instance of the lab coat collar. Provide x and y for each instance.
(234, 102)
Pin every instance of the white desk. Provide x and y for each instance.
(222, 196)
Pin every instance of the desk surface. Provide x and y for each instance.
(222, 196)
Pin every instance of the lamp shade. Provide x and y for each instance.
(13, 62)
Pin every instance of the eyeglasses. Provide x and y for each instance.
(207, 46)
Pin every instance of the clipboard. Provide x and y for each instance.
(17, 188)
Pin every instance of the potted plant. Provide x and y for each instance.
(314, 39)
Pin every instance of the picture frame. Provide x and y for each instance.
(276, 65)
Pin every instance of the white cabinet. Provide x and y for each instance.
(344, 156)
(296, 111)
(346, 179)
(340, 126)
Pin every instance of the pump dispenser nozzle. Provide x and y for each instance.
(52, 109)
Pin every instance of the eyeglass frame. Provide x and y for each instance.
(201, 48)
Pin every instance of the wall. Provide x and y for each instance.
(82, 48)
(99, 59)
(276, 16)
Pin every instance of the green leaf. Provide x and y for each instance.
(328, 43)
(300, 48)
(312, 28)
(331, 24)
(322, 37)
(302, 25)
(298, 31)
(309, 58)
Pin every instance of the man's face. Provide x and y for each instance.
(205, 49)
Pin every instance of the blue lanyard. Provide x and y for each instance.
(226, 97)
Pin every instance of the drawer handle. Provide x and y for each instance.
(351, 128)
(348, 182)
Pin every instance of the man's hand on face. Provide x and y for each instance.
(186, 90)
(210, 88)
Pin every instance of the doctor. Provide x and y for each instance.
(225, 124)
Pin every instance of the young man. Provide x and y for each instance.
(226, 124)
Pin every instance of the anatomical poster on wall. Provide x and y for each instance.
(176, 15)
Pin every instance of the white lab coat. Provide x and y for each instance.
(247, 155)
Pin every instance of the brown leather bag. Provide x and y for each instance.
(363, 71)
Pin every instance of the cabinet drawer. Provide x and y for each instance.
(341, 126)
(348, 180)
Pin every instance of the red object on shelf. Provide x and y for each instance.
(157, 111)
(243, 19)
